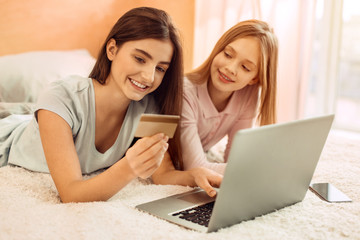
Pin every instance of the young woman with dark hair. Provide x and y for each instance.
(82, 125)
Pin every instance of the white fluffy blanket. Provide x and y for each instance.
(30, 208)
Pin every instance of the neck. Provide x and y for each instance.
(108, 100)
(220, 99)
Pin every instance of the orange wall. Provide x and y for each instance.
(29, 25)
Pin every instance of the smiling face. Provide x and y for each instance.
(235, 67)
(139, 66)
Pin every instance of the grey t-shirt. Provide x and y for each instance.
(73, 99)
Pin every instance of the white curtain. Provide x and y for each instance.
(292, 21)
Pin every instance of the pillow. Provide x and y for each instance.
(7, 109)
(23, 76)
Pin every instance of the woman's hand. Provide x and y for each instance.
(206, 179)
(145, 156)
(196, 177)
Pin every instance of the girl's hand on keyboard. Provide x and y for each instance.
(206, 179)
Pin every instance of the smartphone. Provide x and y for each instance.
(151, 124)
(329, 192)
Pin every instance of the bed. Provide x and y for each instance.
(30, 207)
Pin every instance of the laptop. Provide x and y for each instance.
(269, 167)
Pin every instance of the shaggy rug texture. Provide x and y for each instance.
(30, 208)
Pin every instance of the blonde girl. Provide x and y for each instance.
(234, 88)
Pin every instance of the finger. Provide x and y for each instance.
(157, 158)
(142, 145)
(156, 152)
(149, 162)
(204, 184)
(151, 166)
(216, 180)
(147, 142)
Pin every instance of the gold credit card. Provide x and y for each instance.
(151, 124)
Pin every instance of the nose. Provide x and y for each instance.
(232, 67)
(148, 74)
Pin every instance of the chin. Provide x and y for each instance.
(136, 99)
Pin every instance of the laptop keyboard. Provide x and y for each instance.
(200, 214)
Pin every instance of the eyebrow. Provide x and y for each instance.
(149, 56)
(232, 49)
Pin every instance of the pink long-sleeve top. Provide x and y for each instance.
(202, 126)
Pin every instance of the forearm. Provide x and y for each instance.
(201, 177)
(175, 177)
(166, 174)
(99, 188)
(217, 167)
(193, 153)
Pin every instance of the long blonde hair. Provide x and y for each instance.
(267, 69)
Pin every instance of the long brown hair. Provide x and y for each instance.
(268, 64)
(142, 23)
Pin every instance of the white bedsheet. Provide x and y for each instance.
(30, 208)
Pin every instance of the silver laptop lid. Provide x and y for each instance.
(269, 168)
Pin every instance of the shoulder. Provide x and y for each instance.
(67, 88)
(191, 90)
(71, 90)
(71, 83)
(195, 97)
(70, 98)
(189, 85)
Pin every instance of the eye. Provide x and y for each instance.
(139, 59)
(160, 69)
(227, 55)
(246, 69)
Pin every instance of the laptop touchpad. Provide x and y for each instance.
(197, 197)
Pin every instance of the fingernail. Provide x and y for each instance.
(161, 135)
(212, 193)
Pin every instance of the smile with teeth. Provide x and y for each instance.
(139, 85)
(225, 77)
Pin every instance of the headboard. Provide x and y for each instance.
(33, 25)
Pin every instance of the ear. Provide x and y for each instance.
(111, 49)
(254, 81)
